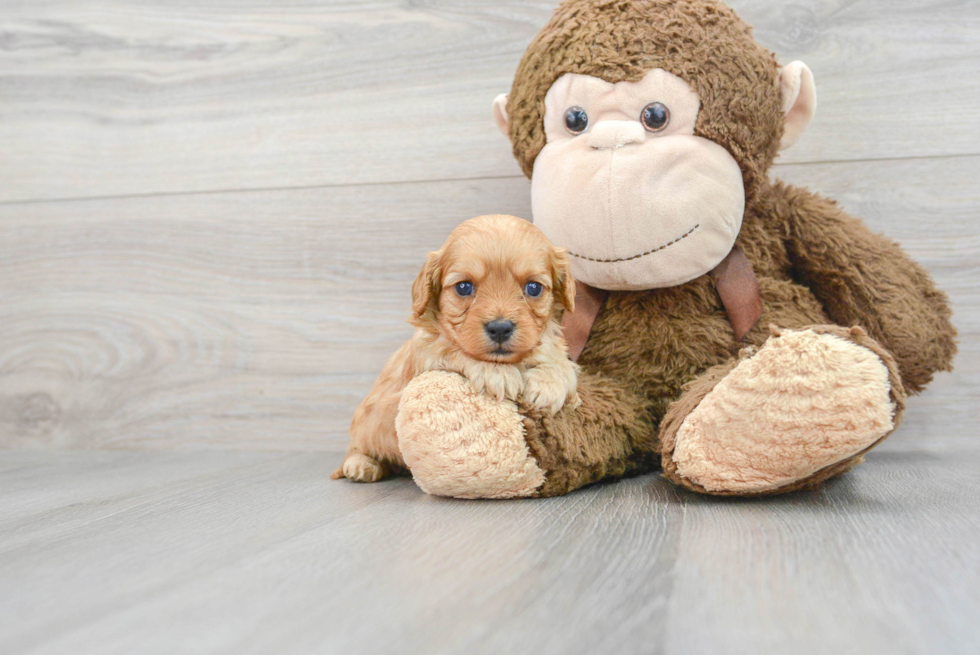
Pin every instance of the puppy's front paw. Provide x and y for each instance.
(361, 468)
(500, 381)
(549, 389)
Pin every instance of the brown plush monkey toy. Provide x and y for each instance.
(746, 336)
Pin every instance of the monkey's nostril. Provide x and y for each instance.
(500, 330)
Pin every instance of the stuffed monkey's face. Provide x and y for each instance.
(626, 187)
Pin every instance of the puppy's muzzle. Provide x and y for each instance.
(500, 331)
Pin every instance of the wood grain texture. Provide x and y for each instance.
(239, 320)
(258, 553)
(120, 97)
(259, 320)
(210, 217)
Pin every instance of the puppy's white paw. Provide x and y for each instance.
(361, 468)
(550, 388)
(500, 381)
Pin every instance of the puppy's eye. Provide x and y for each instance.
(464, 288)
(576, 120)
(655, 116)
(533, 289)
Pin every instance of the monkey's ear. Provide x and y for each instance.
(564, 283)
(427, 285)
(500, 113)
(799, 101)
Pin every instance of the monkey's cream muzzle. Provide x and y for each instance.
(639, 216)
(636, 208)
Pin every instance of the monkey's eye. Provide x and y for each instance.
(533, 289)
(576, 120)
(464, 288)
(655, 116)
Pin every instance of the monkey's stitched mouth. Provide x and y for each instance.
(642, 254)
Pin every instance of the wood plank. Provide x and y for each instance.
(116, 97)
(235, 320)
(868, 568)
(259, 320)
(255, 553)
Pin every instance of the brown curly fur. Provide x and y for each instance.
(702, 42)
(816, 265)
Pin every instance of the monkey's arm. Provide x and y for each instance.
(459, 442)
(865, 279)
(611, 433)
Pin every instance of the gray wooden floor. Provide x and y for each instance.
(209, 224)
(108, 552)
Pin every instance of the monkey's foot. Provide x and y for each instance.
(805, 407)
(461, 443)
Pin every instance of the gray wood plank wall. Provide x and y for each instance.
(211, 212)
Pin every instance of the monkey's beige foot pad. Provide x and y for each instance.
(461, 443)
(804, 402)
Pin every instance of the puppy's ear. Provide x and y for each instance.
(564, 283)
(427, 285)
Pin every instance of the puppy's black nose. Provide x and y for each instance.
(500, 330)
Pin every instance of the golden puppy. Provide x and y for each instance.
(484, 306)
